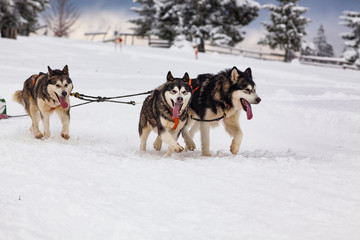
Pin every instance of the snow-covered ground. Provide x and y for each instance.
(297, 175)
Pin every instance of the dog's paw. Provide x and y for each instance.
(157, 144)
(234, 148)
(38, 135)
(46, 135)
(206, 153)
(177, 148)
(190, 146)
(65, 136)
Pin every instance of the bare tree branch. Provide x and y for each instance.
(61, 16)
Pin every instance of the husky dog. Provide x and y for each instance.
(220, 96)
(165, 112)
(42, 95)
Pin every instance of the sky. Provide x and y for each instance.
(102, 15)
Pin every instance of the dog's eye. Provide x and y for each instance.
(66, 85)
(185, 92)
(173, 91)
(247, 91)
(57, 85)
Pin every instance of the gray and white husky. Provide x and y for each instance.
(165, 111)
(220, 96)
(44, 94)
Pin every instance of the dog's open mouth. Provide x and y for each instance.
(176, 108)
(62, 101)
(247, 108)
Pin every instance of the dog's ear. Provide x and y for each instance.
(186, 77)
(169, 77)
(50, 72)
(248, 72)
(65, 70)
(234, 75)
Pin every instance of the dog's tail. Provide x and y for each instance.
(18, 97)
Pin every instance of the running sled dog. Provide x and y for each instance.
(220, 96)
(165, 111)
(44, 94)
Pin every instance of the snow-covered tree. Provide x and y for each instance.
(307, 48)
(147, 13)
(287, 27)
(28, 10)
(351, 19)
(7, 14)
(218, 20)
(323, 48)
(21, 14)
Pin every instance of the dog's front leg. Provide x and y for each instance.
(45, 117)
(65, 120)
(205, 138)
(170, 140)
(232, 126)
(157, 143)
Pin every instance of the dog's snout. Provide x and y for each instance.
(258, 100)
(64, 93)
(180, 99)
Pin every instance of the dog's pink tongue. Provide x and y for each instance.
(249, 111)
(176, 110)
(63, 103)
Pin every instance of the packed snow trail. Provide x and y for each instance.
(296, 176)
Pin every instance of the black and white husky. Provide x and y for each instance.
(44, 94)
(220, 96)
(165, 111)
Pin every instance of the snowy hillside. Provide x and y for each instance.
(297, 175)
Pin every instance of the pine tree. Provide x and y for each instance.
(219, 21)
(147, 13)
(7, 16)
(352, 43)
(21, 14)
(28, 10)
(287, 27)
(323, 48)
(228, 19)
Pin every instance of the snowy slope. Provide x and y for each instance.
(297, 175)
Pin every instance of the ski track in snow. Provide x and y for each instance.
(296, 176)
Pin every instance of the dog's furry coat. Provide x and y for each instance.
(42, 95)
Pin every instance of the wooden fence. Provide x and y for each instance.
(245, 52)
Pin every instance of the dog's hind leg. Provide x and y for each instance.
(205, 138)
(195, 128)
(232, 126)
(144, 136)
(189, 142)
(33, 112)
(65, 120)
(157, 143)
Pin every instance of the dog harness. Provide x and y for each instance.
(176, 120)
(227, 109)
(191, 86)
(35, 78)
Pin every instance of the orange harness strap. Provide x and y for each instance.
(35, 76)
(176, 120)
(193, 90)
